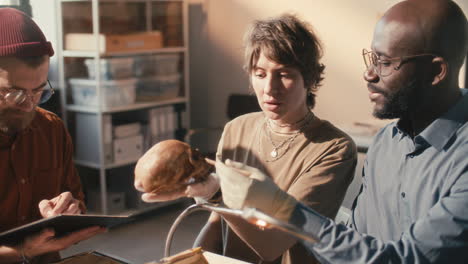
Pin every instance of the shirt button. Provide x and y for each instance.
(23, 181)
(403, 194)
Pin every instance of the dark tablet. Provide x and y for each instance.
(62, 224)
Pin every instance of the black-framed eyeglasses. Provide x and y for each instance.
(386, 66)
(19, 96)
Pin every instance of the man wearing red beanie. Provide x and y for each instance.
(37, 174)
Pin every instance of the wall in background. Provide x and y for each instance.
(216, 31)
(43, 13)
(345, 27)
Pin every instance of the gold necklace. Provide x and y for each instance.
(293, 124)
(274, 154)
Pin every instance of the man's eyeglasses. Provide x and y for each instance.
(19, 96)
(386, 66)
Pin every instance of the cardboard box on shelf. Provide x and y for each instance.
(114, 43)
(128, 148)
(127, 130)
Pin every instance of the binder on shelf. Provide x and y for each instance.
(154, 125)
(171, 122)
(162, 123)
(146, 130)
(107, 140)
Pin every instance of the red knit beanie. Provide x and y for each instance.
(20, 36)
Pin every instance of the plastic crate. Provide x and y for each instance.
(111, 68)
(113, 93)
(143, 66)
(166, 64)
(158, 88)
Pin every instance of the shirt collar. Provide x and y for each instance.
(35, 122)
(439, 132)
(443, 128)
(399, 129)
(6, 141)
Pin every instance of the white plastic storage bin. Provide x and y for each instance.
(143, 66)
(166, 64)
(113, 93)
(111, 68)
(158, 88)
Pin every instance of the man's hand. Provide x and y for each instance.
(62, 204)
(244, 186)
(46, 242)
(204, 190)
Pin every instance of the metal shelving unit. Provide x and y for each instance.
(90, 54)
(100, 110)
(136, 106)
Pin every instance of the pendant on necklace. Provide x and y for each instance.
(274, 153)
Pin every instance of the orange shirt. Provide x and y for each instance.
(37, 164)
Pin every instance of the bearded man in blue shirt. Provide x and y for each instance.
(413, 204)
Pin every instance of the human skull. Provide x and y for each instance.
(169, 166)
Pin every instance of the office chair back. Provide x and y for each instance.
(206, 138)
(239, 104)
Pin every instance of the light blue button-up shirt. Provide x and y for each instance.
(413, 206)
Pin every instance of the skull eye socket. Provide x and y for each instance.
(194, 156)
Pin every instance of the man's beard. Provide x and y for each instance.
(13, 121)
(399, 103)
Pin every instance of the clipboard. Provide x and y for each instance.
(62, 225)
